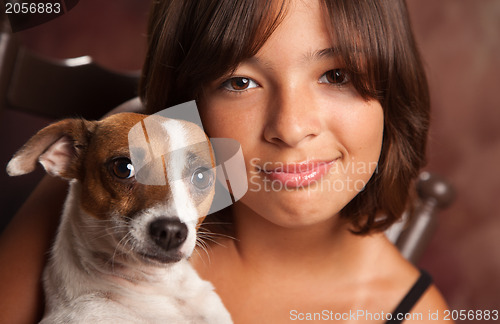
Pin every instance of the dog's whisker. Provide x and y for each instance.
(202, 245)
(217, 235)
(105, 232)
(213, 241)
(122, 243)
(203, 259)
(216, 223)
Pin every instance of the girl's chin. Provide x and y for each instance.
(288, 214)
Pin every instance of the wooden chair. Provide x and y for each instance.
(35, 91)
(412, 234)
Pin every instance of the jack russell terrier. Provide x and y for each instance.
(122, 248)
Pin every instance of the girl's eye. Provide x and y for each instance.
(239, 84)
(335, 76)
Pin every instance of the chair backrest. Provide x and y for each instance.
(35, 91)
(59, 88)
(412, 234)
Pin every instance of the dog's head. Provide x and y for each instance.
(125, 219)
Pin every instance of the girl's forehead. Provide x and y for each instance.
(302, 35)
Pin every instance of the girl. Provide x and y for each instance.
(330, 104)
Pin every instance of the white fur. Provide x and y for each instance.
(175, 165)
(81, 291)
(14, 167)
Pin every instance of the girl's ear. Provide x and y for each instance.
(57, 147)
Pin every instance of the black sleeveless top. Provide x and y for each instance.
(412, 297)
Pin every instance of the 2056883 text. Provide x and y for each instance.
(33, 7)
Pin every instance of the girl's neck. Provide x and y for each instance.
(268, 246)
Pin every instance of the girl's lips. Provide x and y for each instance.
(294, 175)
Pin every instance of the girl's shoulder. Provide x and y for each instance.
(422, 300)
(431, 307)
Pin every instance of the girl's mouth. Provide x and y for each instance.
(296, 175)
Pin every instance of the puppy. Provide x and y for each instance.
(122, 248)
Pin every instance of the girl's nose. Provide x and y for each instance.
(293, 118)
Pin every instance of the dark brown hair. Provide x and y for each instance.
(193, 42)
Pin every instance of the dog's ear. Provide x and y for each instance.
(57, 147)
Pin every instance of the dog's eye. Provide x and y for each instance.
(202, 178)
(123, 168)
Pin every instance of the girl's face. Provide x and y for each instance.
(310, 141)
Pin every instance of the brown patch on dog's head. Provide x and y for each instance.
(96, 154)
(106, 188)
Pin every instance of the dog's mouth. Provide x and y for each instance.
(162, 258)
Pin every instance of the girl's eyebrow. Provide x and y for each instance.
(330, 52)
(326, 53)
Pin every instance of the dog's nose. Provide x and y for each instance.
(168, 233)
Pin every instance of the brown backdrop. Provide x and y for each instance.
(460, 42)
